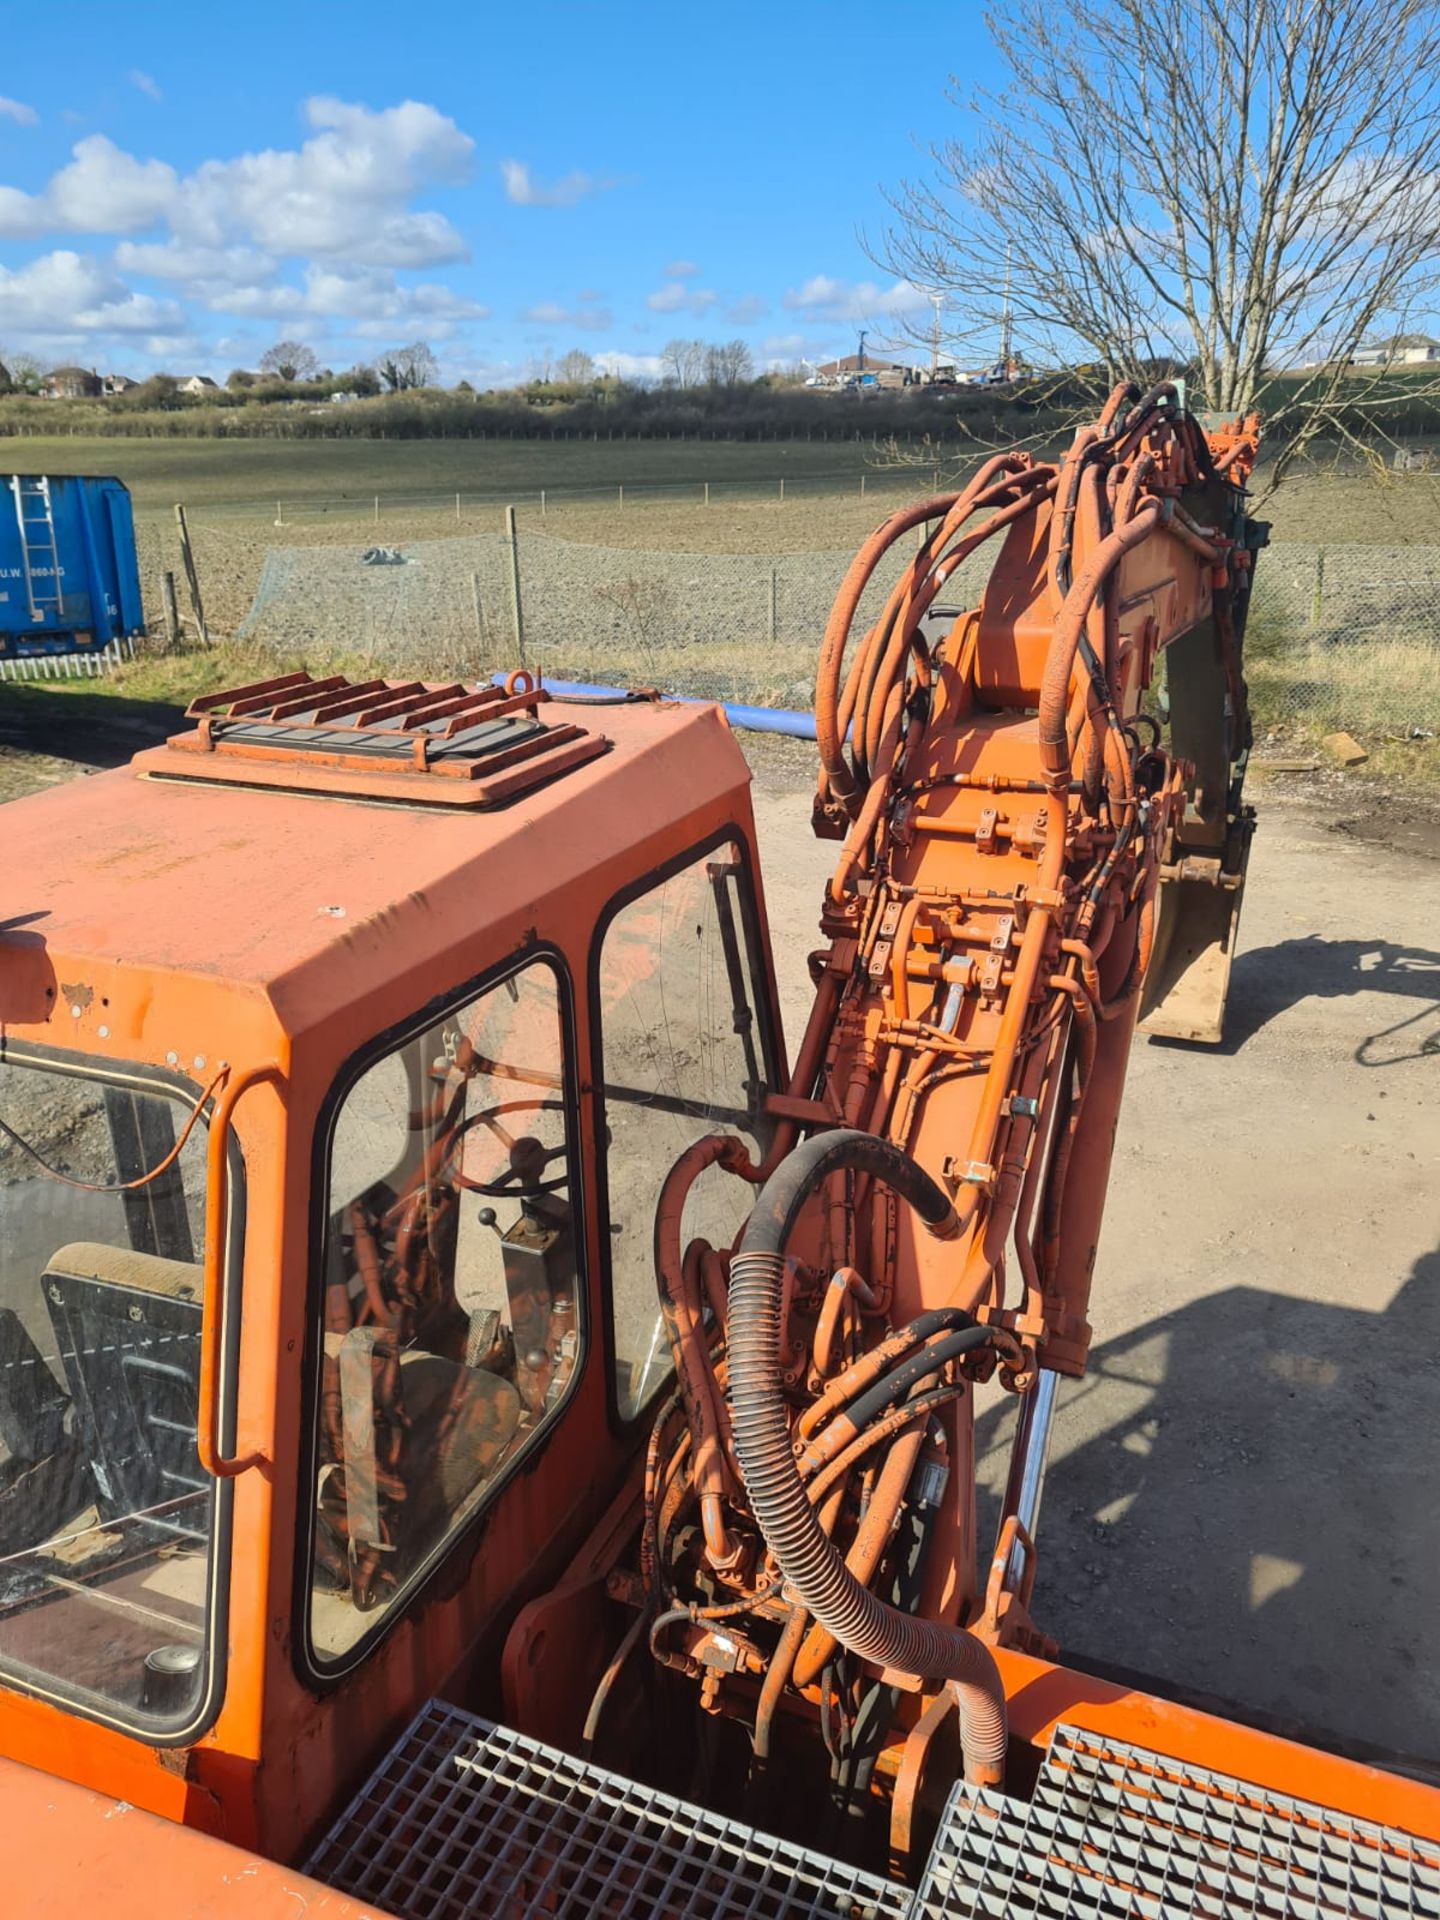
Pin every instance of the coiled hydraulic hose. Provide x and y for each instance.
(811, 1564)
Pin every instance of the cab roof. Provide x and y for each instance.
(312, 893)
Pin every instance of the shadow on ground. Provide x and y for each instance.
(94, 730)
(1252, 1514)
(1267, 981)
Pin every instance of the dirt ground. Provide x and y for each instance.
(1241, 1493)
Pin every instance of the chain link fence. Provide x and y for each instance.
(1346, 637)
(727, 626)
(1341, 636)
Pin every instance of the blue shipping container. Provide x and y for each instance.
(69, 578)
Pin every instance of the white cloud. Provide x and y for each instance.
(366, 301)
(747, 309)
(522, 189)
(822, 298)
(143, 83)
(586, 316)
(344, 193)
(80, 294)
(678, 298)
(106, 190)
(197, 266)
(679, 295)
(483, 373)
(17, 111)
(631, 366)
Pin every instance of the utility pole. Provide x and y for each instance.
(860, 368)
(936, 301)
(1005, 319)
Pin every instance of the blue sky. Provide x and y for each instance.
(180, 187)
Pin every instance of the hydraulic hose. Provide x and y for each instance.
(889, 1388)
(678, 1283)
(811, 1564)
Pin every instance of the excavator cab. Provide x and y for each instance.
(338, 1080)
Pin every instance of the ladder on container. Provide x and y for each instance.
(39, 557)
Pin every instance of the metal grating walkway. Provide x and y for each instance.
(1116, 1831)
(465, 1818)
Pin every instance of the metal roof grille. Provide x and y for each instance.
(452, 744)
(1115, 1830)
(465, 1818)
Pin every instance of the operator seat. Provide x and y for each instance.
(127, 1334)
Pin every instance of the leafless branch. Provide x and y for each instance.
(1243, 192)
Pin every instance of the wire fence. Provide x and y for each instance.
(377, 510)
(1341, 636)
(1346, 637)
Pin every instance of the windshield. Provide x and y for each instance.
(685, 1055)
(105, 1513)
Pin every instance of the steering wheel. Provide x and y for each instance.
(528, 1157)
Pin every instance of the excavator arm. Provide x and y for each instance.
(1024, 843)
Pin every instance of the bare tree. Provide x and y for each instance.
(728, 363)
(575, 367)
(407, 367)
(24, 373)
(1246, 192)
(683, 362)
(289, 360)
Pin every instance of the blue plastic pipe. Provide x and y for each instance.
(798, 726)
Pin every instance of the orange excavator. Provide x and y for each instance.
(480, 1433)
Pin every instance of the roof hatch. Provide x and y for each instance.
(410, 741)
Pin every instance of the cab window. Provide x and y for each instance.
(685, 1051)
(108, 1524)
(451, 1310)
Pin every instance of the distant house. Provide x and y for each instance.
(1403, 350)
(115, 383)
(196, 383)
(871, 366)
(71, 383)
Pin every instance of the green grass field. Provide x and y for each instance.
(309, 479)
(213, 474)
